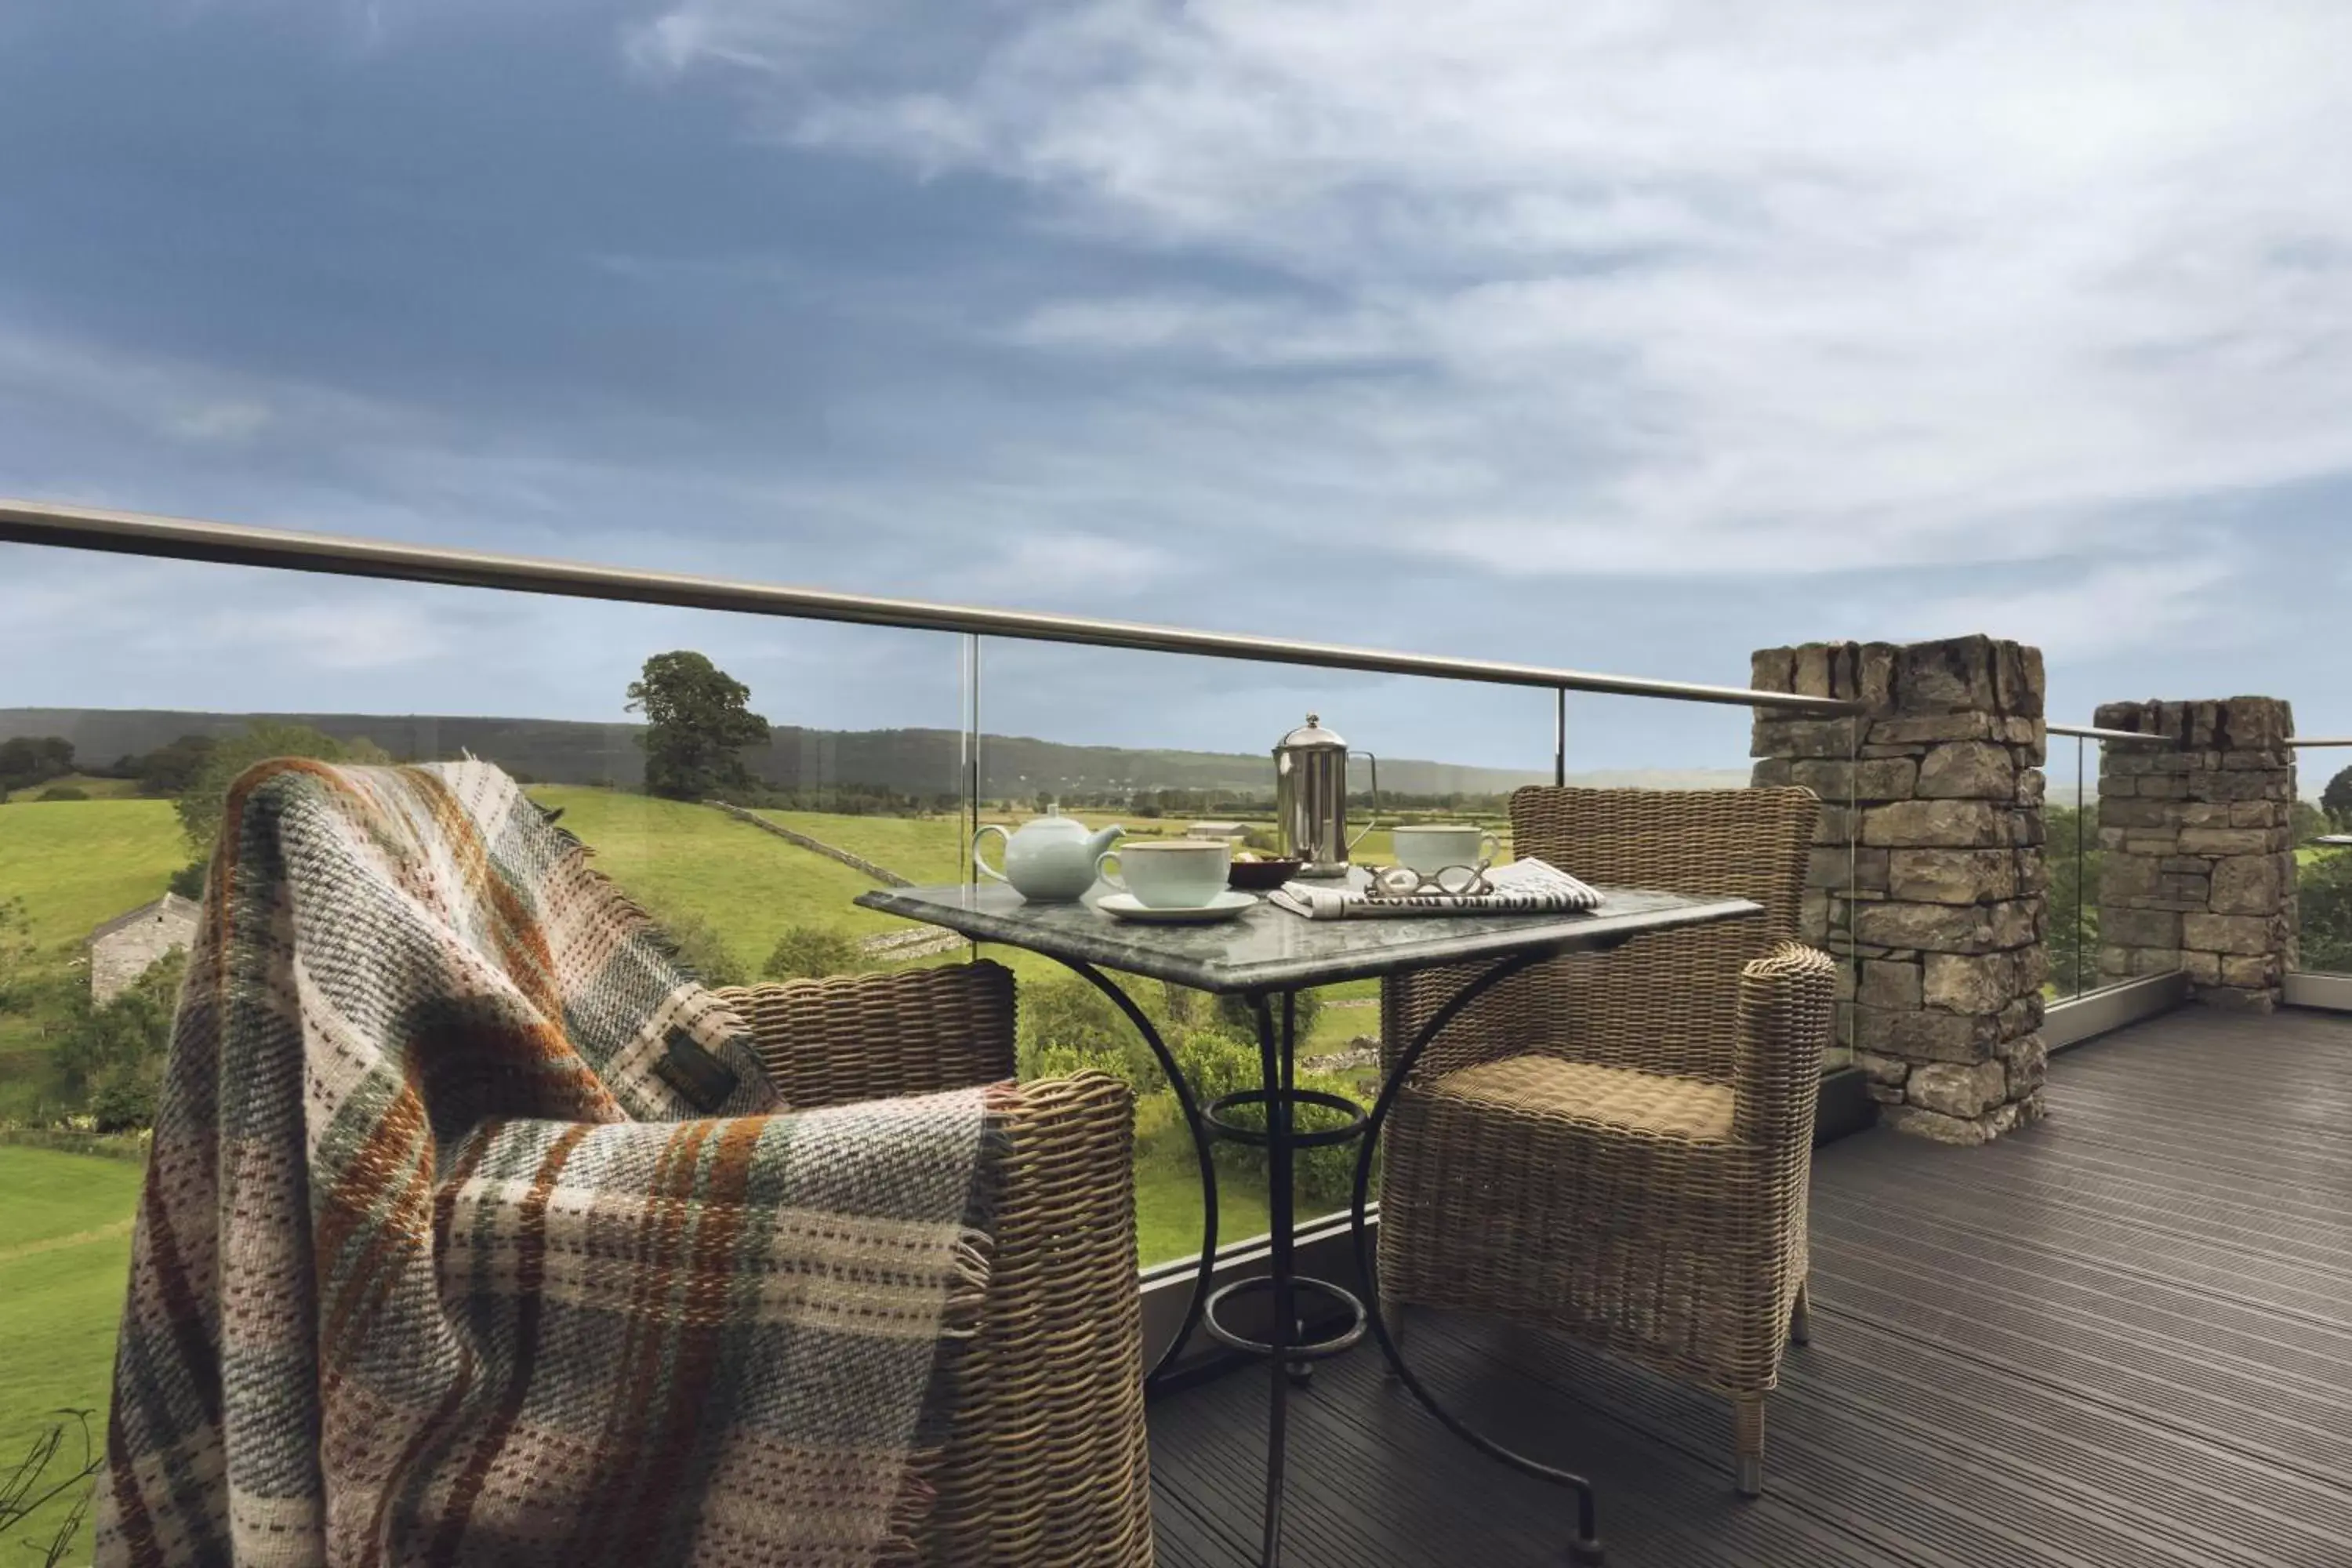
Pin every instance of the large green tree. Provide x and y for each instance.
(168, 771)
(2336, 800)
(696, 722)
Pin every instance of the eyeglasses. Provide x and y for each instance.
(1404, 882)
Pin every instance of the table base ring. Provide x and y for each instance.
(1314, 1350)
(1321, 1138)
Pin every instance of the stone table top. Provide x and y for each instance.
(1270, 948)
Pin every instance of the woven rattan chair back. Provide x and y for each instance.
(1734, 843)
(1657, 1004)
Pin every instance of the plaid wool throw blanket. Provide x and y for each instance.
(473, 1231)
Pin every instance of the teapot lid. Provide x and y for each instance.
(1054, 818)
(1311, 737)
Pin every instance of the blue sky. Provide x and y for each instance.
(1621, 337)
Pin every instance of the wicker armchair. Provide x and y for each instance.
(1617, 1147)
(1045, 1460)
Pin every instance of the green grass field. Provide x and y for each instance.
(674, 856)
(924, 849)
(65, 1252)
(1168, 1212)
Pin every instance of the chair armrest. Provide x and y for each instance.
(878, 1037)
(1045, 1459)
(1788, 999)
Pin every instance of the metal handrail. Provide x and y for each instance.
(2091, 733)
(141, 533)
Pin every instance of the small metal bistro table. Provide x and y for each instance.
(1266, 956)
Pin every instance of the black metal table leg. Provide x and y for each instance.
(1586, 1547)
(1301, 1370)
(1201, 1151)
(1274, 1062)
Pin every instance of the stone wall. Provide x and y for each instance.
(1928, 875)
(882, 874)
(2197, 847)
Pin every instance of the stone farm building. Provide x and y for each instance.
(121, 949)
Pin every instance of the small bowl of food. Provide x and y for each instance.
(1255, 873)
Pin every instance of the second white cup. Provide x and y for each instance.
(1431, 850)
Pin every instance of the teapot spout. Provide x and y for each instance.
(1102, 841)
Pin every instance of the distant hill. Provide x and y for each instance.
(561, 750)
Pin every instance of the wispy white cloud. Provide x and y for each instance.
(1029, 568)
(229, 422)
(156, 394)
(340, 637)
(774, 37)
(2106, 609)
(1688, 286)
(1253, 333)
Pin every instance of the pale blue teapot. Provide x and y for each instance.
(1049, 859)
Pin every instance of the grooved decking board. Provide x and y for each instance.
(2120, 1340)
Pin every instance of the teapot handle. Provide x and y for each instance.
(1374, 821)
(980, 866)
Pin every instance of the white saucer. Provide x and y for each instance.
(1223, 907)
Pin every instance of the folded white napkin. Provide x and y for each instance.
(1524, 887)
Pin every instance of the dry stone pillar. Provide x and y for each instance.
(2197, 869)
(1933, 794)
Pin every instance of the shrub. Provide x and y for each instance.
(124, 1097)
(110, 1061)
(1216, 1064)
(698, 947)
(1044, 1061)
(1068, 1019)
(1068, 1026)
(1325, 1178)
(2324, 891)
(16, 953)
(811, 952)
(63, 791)
(188, 882)
(1235, 1016)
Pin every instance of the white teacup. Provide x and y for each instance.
(1431, 850)
(1169, 873)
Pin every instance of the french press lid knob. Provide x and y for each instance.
(1312, 737)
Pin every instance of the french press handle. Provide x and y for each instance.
(1375, 819)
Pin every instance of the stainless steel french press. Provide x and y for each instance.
(1311, 797)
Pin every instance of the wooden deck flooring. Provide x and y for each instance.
(2123, 1339)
